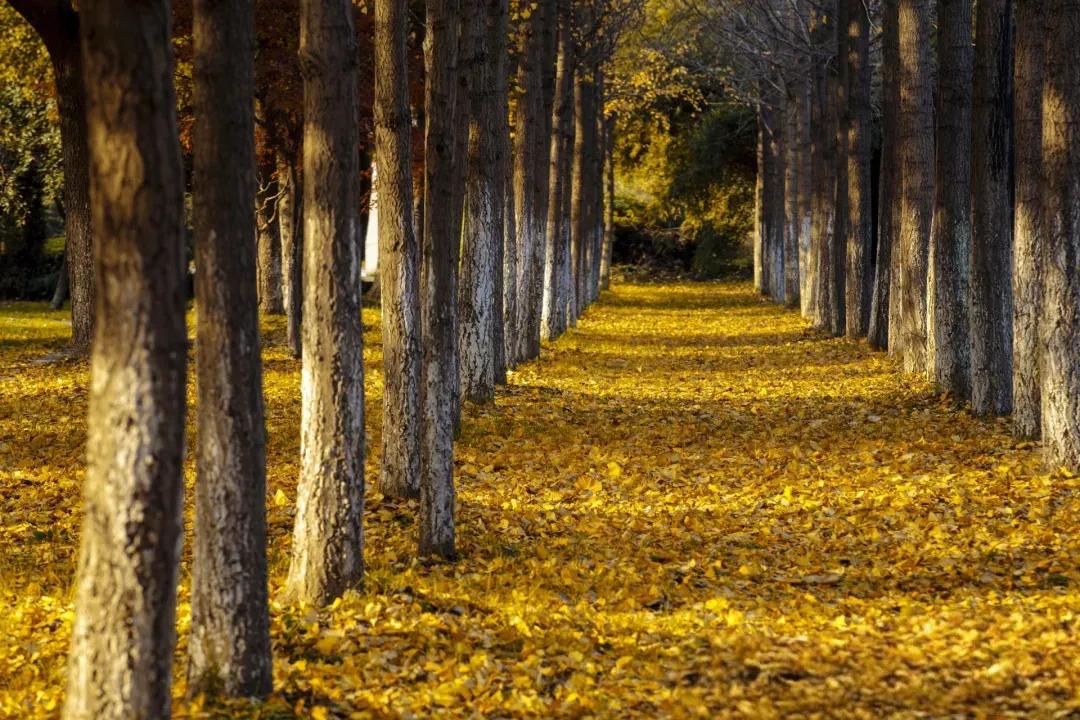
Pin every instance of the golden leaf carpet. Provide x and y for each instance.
(692, 506)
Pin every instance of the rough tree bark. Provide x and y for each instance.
(268, 244)
(120, 663)
(948, 344)
(1060, 320)
(399, 255)
(502, 174)
(581, 192)
(884, 326)
(840, 117)
(438, 306)
(991, 221)
(860, 269)
(57, 23)
(609, 202)
(916, 176)
(825, 208)
(328, 539)
(483, 217)
(1027, 242)
(553, 320)
(229, 647)
(791, 201)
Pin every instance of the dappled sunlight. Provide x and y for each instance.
(690, 506)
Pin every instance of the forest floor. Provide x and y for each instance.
(690, 506)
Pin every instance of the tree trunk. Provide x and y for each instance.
(502, 175)
(916, 175)
(268, 246)
(860, 269)
(399, 255)
(791, 201)
(825, 209)
(63, 285)
(438, 304)
(805, 177)
(553, 320)
(948, 343)
(760, 271)
(840, 119)
(290, 213)
(1061, 237)
(483, 217)
(229, 646)
(463, 72)
(883, 325)
(1027, 241)
(328, 539)
(584, 136)
(609, 201)
(991, 239)
(120, 663)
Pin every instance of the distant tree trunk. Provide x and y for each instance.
(328, 538)
(290, 213)
(529, 109)
(483, 217)
(916, 175)
(948, 343)
(553, 320)
(805, 175)
(63, 285)
(1060, 321)
(609, 201)
(791, 201)
(120, 663)
(596, 169)
(760, 270)
(883, 326)
(992, 219)
(859, 275)
(496, 43)
(840, 119)
(463, 72)
(438, 305)
(268, 245)
(229, 646)
(57, 23)
(771, 117)
(399, 255)
(825, 208)
(581, 212)
(1027, 237)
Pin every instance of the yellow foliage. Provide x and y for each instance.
(690, 507)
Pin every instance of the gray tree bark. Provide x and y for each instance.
(992, 219)
(268, 245)
(438, 303)
(502, 175)
(859, 273)
(1060, 322)
(791, 201)
(328, 538)
(840, 119)
(553, 320)
(290, 212)
(805, 178)
(399, 255)
(948, 342)
(916, 152)
(120, 662)
(229, 647)
(581, 191)
(1027, 288)
(609, 202)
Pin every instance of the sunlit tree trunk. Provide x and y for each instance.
(1060, 325)
(328, 539)
(916, 175)
(825, 196)
(229, 647)
(122, 638)
(992, 219)
(791, 201)
(438, 304)
(609, 201)
(528, 125)
(483, 218)
(268, 244)
(858, 277)
(290, 214)
(807, 174)
(399, 255)
(948, 343)
(1027, 248)
(883, 324)
(584, 135)
(553, 321)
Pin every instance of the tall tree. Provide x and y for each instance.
(991, 240)
(884, 314)
(1027, 240)
(57, 23)
(839, 117)
(916, 151)
(948, 344)
(557, 246)
(268, 242)
(230, 618)
(503, 174)
(859, 272)
(399, 254)
(328, 539)
(120, 663)
(438, 304)
(1060, 320)
(290, 212)
(791, 198)
(483, 215)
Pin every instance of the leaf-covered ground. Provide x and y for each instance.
(691, 506)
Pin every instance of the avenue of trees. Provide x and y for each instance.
(485, 120)
(953, 242)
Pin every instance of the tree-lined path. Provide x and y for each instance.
(690, 506)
